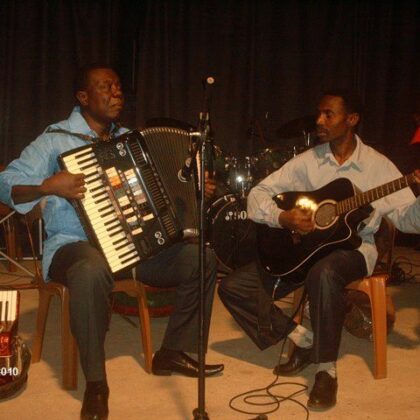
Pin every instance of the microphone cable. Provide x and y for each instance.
(253, 397)
(400, 275)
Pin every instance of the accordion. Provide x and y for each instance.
(9, 313)
(134, 205)
(15, 357)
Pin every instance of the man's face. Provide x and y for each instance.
(333, 121)
(102, 99)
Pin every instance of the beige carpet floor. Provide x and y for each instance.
(137, 395)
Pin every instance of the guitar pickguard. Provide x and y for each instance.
(325, 215)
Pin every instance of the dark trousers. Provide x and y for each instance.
(84, 271)
(325, 282)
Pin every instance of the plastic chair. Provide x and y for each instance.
(68, 343)
(374, 287)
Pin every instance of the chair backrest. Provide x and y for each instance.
(384, 240)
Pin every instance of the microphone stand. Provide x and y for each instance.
(199, 413)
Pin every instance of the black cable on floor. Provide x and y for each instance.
(399, 275)
(252, 396)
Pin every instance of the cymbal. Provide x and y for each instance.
(296, 127)
(169, 122)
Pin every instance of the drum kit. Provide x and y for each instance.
(232, 234)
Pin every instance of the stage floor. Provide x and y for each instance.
(137, 395)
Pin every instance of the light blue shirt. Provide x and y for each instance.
(37, 162)
(366, 169)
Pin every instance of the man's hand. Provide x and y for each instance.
(64, 184)
(297, 219)
(210, 186)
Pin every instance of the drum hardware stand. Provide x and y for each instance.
(307, 138)
(4, 255)
(235, 246)
(205, 140)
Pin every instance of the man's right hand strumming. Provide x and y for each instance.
(297, 220)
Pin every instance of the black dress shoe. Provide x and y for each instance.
(165, 362)
(324, 392)
(298, 361)
(95, 405)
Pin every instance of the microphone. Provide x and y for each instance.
(184, 174)
(208, 80)
(208, 83)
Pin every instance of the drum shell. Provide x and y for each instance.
(232, 235)
(237, 174)
(21, 360)
(269, 160)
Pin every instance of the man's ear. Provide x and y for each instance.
(353, 119)
(82, 97)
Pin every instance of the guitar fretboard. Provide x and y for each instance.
(360, 200)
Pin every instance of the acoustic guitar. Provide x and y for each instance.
(338, 209)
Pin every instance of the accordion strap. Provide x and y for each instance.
(80, 135)
(83, 136)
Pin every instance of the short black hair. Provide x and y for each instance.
(81, 80)
(352, 100)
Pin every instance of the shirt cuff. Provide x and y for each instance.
(23, 208)
(275, 220)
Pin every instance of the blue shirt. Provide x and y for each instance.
(365, 168)
(37, 162)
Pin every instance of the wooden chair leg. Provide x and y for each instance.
(69, 346)
(379, 327)
(43, 307)
(146, 336)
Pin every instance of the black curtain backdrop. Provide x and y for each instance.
(271, 61)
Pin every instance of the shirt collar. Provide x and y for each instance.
(78, 124)
(324, 155)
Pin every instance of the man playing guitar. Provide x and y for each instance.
(325, 263)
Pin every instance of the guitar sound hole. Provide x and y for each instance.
(325, 215)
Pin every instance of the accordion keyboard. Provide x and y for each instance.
(125, 210)
(119, 251)
(8, 306)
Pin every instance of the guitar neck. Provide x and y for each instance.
(361, 199)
